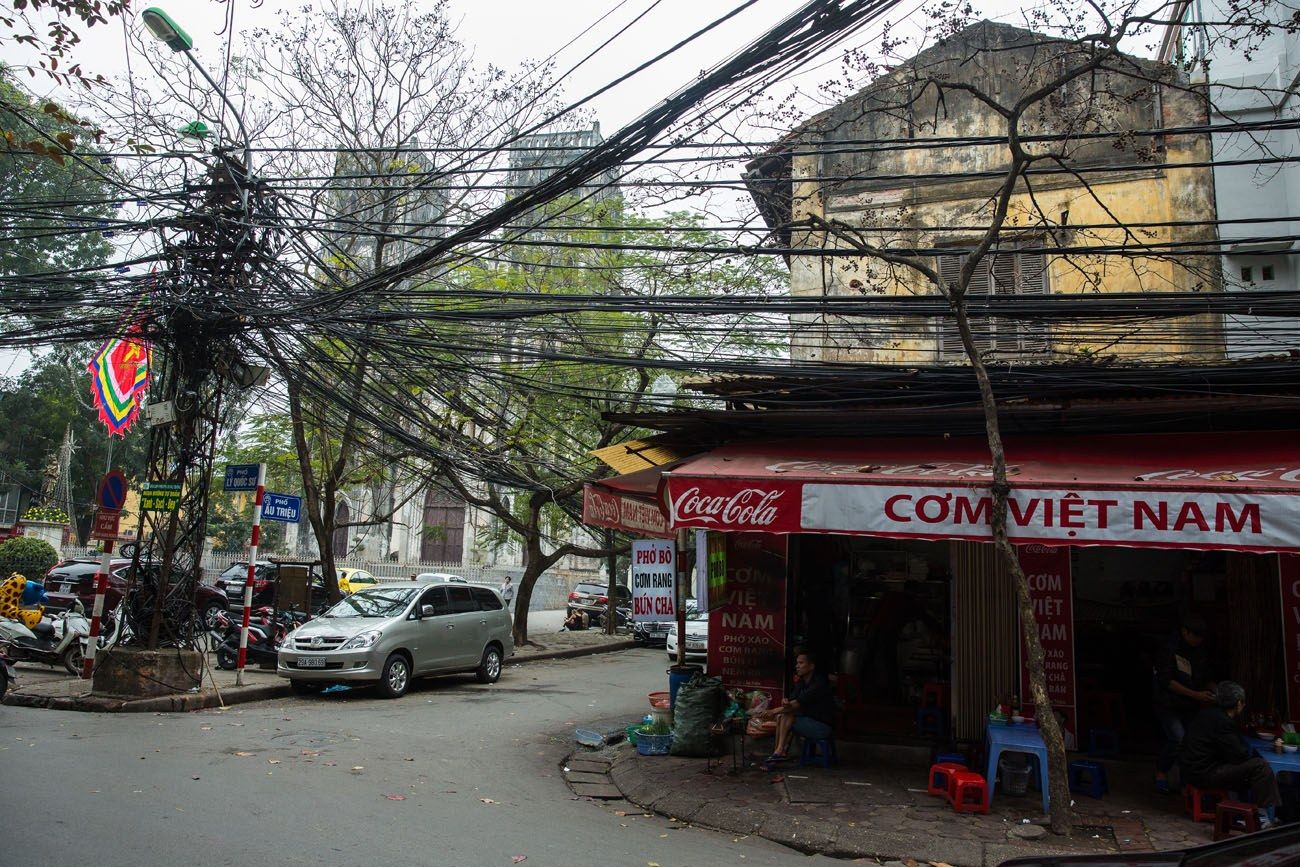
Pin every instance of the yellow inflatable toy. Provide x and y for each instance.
(11, 595)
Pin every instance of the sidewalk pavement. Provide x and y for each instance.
(873, 804)
(43, 686)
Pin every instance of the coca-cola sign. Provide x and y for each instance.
(729, 506)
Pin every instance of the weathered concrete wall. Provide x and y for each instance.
(899, 195)
(135, 673)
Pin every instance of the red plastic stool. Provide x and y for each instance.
(941, 777)
(1232, 816)
(934, 694)
(1199, 803)
(968, 792)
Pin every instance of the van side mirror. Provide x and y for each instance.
(426, 610)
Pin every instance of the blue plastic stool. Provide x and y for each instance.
(1089, 778)
(930, 721)
(818, 752)
(1103, 743)
(950, 759)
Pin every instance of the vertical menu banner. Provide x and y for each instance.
(1051, 588)
(654, 580)
(1288, 570)
(747, 618)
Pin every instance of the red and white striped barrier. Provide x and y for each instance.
(97, 612)
(252, 570)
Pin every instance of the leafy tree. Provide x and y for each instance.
(519, 432)
(55, 203)
(266, 438)
(28, 556)
(40, 405)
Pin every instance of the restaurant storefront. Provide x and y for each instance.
(875, 555)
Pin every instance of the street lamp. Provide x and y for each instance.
(167, 31)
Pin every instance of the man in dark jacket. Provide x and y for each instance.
(1180, 690)
(1214, 755)
(809, 711)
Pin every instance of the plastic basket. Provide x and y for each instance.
(659, 700)
(653, 745)
(632, 733)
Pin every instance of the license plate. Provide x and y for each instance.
(311, 662)
(695, 645)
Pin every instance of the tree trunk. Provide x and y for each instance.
(1057, 779)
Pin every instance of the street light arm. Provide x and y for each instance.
(239, 117)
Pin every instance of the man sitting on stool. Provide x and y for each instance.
(1214, 756)
(809, 711)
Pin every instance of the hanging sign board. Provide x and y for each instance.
(281, 507)
(160, 496)
(747, 617)
(654, 580)
(1288, 569)
(1047, 568)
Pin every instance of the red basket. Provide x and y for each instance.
(660, 700)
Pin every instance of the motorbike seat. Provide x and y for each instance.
(43, 630)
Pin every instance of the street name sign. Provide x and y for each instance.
(160, 496)
(281, 507)
(241, 477)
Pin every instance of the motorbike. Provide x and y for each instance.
(265, 635)
(622, 619)
(54, 641)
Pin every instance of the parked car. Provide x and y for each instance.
(1276, 846)
(208, 600)
(72, 580)
(392, 633)
(75, 580)
(650, 633)
(352, 580)
(232, 579)
(697, 637)
(441, 577)
(593, 599)
(264, 589)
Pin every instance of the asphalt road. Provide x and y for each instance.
(454, 773)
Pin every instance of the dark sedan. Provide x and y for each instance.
(75, 580)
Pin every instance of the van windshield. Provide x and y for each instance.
(381, 602)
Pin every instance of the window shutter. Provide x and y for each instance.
(949, 339)
(1032, 337)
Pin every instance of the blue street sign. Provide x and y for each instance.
(241, 477)
(281, 507)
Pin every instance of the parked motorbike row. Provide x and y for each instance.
(60, 639)
(266, 632)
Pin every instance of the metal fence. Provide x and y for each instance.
(550, 592)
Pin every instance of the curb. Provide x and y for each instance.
(158, 704)
(573, 652)
(237, 695)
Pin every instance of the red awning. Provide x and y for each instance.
(627, 503)
(1233, 491)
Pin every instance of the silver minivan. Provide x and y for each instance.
(392, 633)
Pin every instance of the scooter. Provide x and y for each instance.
(54, 641)
(264, 637)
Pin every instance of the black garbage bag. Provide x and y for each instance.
(699, 706)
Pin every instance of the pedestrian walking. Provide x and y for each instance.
(508, 591)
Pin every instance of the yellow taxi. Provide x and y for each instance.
(352, 580)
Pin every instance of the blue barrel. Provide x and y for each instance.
(677, 675)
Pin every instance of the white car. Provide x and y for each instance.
(697, 637)
(440, 577)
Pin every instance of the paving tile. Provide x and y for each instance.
(582, 777)
(603, 791)
(594, 766)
